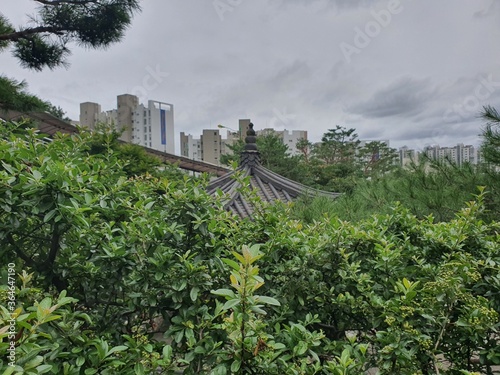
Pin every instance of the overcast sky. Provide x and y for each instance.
(416, 72)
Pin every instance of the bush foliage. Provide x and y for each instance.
(147, 274)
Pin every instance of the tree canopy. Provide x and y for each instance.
(43, 41)
(14, 96)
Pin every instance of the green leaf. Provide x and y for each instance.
(167, 352)
(42, 369)
(119, 348)
(239, 257)
(51, 318)
(224, 292)
(230, 304)
(49, 215)
(235, 366)
(139, 369)
(220, 370)
(301, 348)
(267, 300)
(36, 175)
(88, 199)
(199, 350)
(231, 263)
(345, 356)
(80, 361)
(43, 308)
(194, 293)
(257, 309)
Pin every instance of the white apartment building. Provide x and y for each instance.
(150, 125)
(190, 147)
(153, 126)
(458, 154)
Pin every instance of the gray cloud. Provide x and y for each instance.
(404, 97)
(278, 62)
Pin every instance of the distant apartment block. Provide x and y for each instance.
(210, 146)
(150, 125)
(459, 154)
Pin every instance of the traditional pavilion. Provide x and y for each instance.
(269, 186)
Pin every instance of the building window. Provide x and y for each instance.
(145, 137)
(145, 121)
(145, 129)
(150, 128)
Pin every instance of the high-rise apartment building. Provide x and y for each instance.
(89, 114)
(458, 154)
(150, 125)
(211, 146)
(153, 126)
(208, 148)
(190, 147)
(126, 105)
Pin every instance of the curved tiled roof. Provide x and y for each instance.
(268, 185)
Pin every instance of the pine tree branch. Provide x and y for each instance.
(490, 114)
(59, 2)
(27, 33)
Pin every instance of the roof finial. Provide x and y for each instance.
(250, 139)
(250, 156)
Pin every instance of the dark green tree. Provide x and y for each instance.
(333, 164)
(233, 156)
(304, 147)
(337, 146)
(14, 96)
(491, 136)
(43, 42)
(376, 158)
